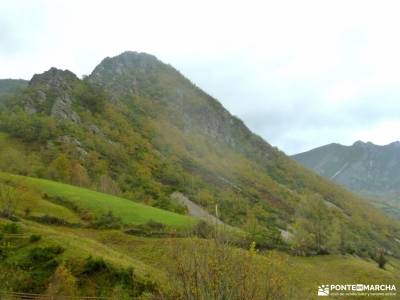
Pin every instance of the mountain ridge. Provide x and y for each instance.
(365, 168)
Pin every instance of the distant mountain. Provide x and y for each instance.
(9, 86)
(365, 168)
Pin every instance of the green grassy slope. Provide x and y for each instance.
(150, 257)
(128, 211)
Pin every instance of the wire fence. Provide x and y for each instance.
(30, 296)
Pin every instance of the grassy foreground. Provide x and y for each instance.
(150, 258)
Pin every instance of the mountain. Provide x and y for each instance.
(368, 169)
(10, 86)
(138, 129)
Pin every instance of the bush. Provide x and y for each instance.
(381, 260)
(51, 220)
(105, 274)
(155, 225)
(213, 270)
(63, 202)
(39, 255)
(38, 265)
(107, 221)
(151, 228)
(11, 228)
(34, 238)
(94, 265)
(203, 230)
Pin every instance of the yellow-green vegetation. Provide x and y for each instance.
(69, 260)
(44, 207)
(165, 264)
(98, 203)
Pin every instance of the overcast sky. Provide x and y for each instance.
(299, 73)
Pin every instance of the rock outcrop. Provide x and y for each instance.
(52, 92)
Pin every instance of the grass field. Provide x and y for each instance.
(128, 211)
(150, 256)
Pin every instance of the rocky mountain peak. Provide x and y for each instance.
(54, 78)
(52, 93)
(127, 73)
(124, 63)
(358, 143)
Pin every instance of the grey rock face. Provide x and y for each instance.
(123, 74)
(53, 94)
(62, 109)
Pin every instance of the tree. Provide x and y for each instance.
(93, 98)
(62, 284)
(79, 175)
(381, 259)
(106, 185)
(28, 197)
(8, 200)
(59, 168)
(312, 226)
(263, 237)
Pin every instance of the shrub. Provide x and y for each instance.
(155, 225)
(39, 255)
(62, 283)
(203, 229)
(151, 228)
(64, 202)
(39, 265)
(105, 274)
(34, 238)
(11, 228)
(381, 260)
(107, 221)
(213, 270)
(51, 220)
(94, 265)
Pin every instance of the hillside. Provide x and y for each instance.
(75, 259)
(111, 150)
(9, 86)
(370, 170)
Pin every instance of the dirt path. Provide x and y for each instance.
(194, 209)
